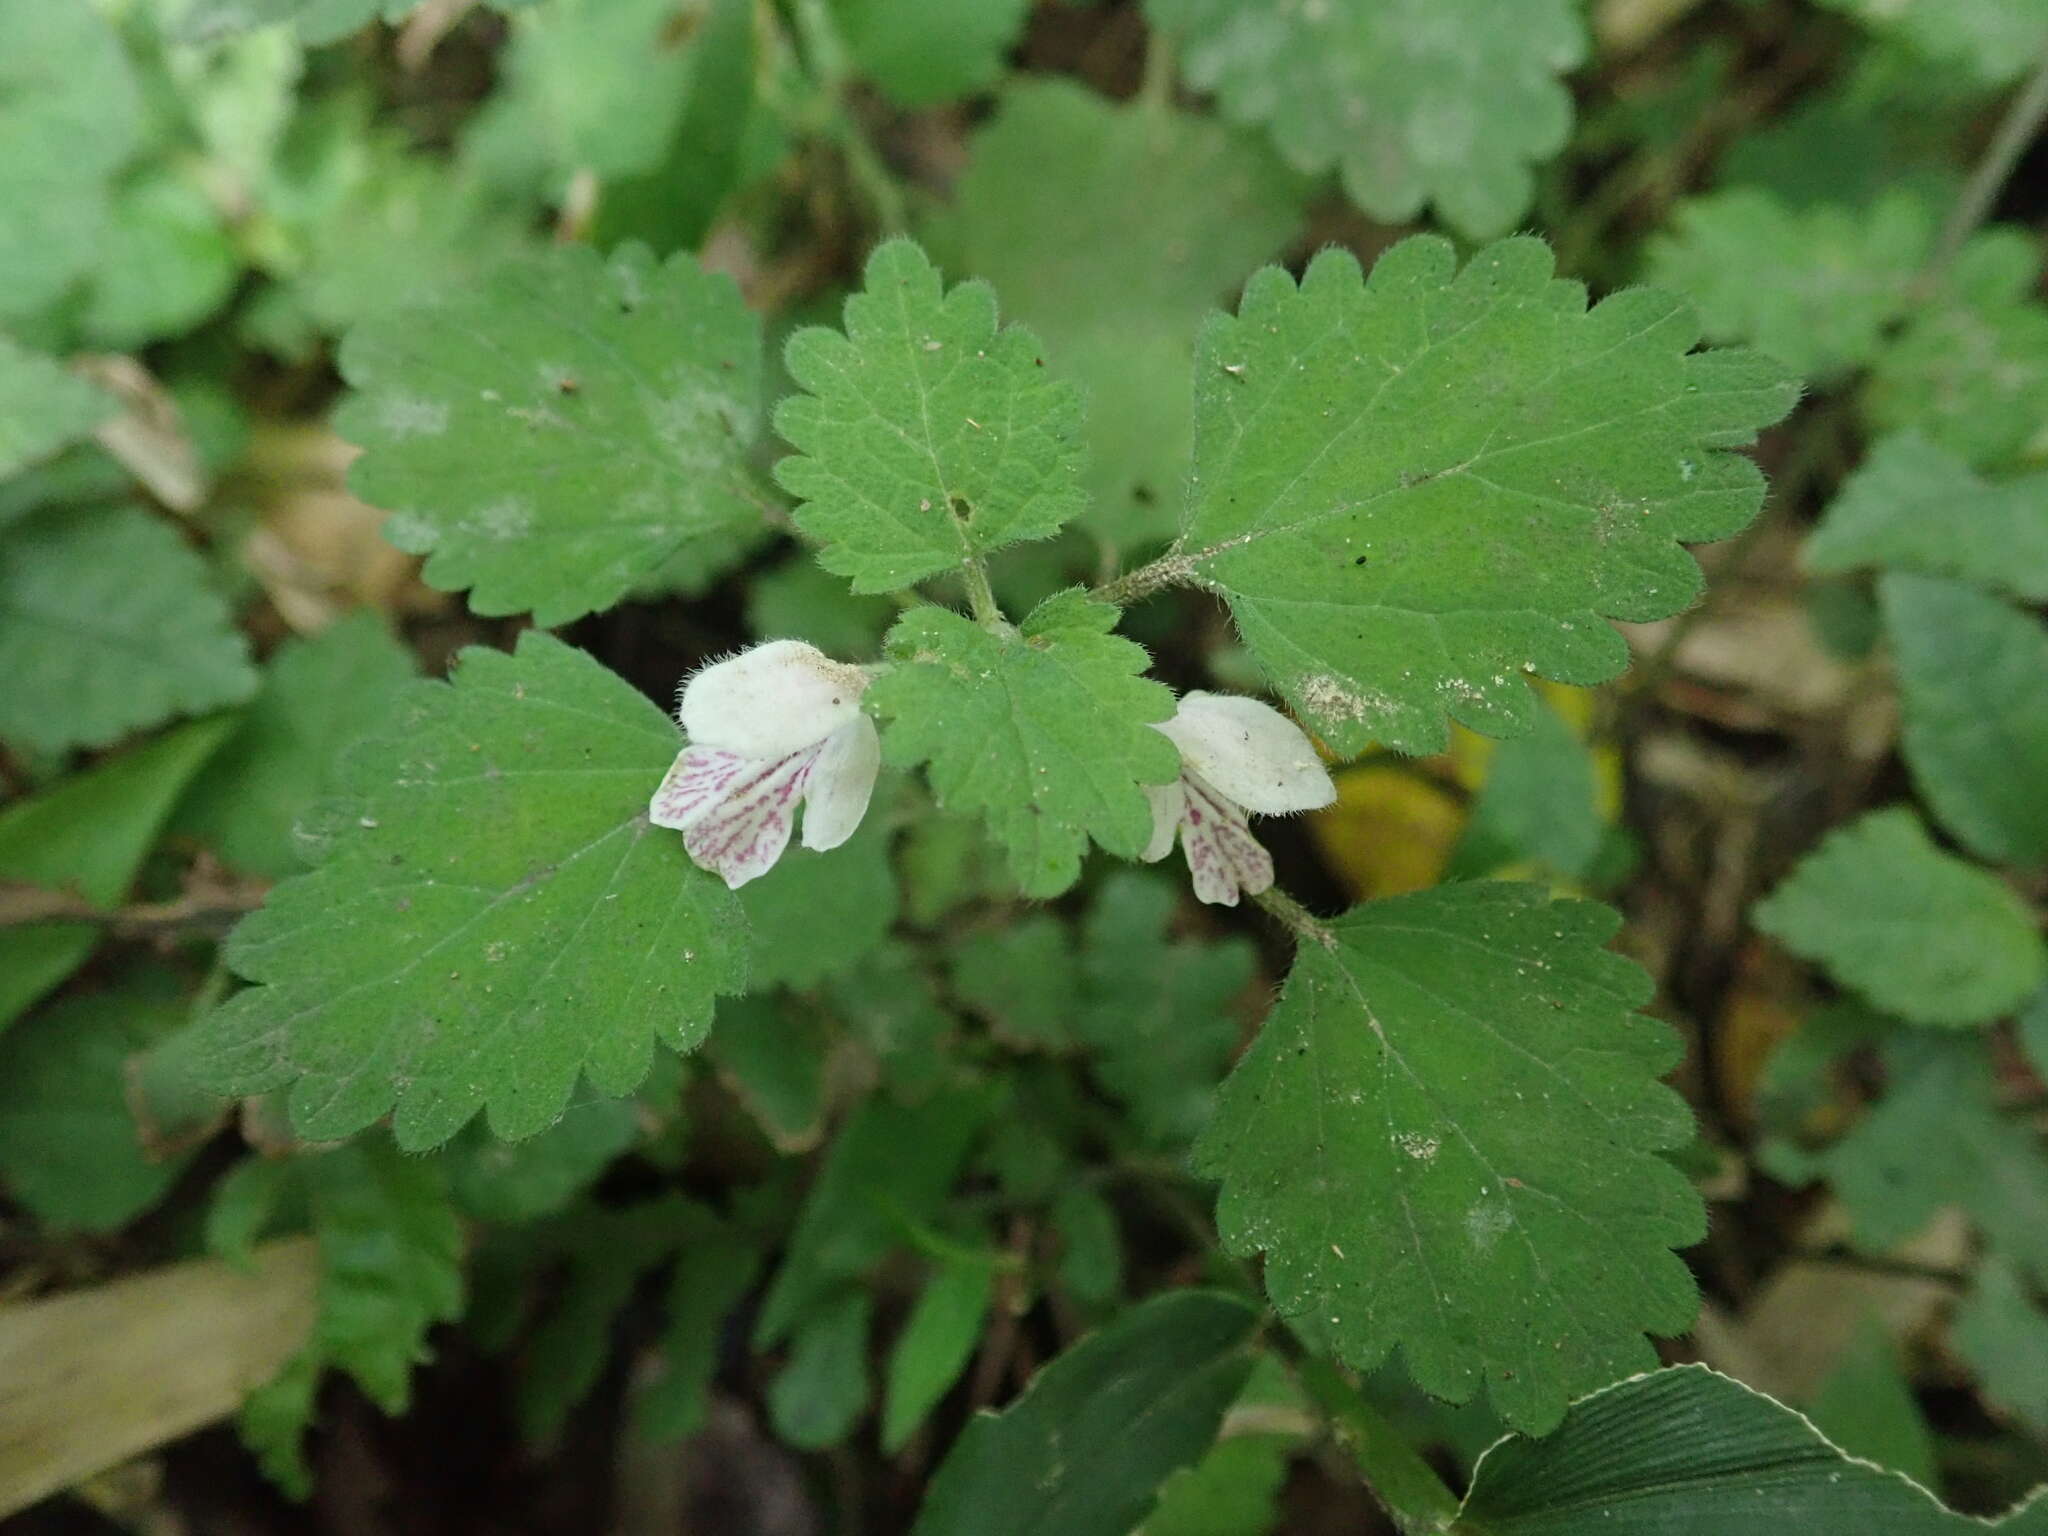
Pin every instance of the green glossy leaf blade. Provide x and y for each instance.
(937, 1341)
(1688, 1452)
(89, 833)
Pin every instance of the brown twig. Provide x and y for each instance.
(211, 908)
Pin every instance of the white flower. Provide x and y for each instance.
(1236, 755)
(776, 726)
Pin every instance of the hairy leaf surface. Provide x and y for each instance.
(1447, 102)
(1917, 931)
(927, 435)
(1914, 506)
(492, 916)
(1445, 1138)
(556, 433)
(109, 623)
(1415, 488)
(1045, 731)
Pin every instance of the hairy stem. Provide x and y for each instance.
(981, 597)
(1169, 570)
(1304, 924)
(2016, 130)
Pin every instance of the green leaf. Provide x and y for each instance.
(606, 1252)
(889, 1167)
(1020, 977)
(1994, 39)
(816, 914)
(2003, 1337)
(69, 116)
(493, 876)
(921, 55)
(1915, 506)
(1046, 732)
(936, 1343)
(1412, 489)
(1084, 1450)
(723, 132)
(817, 1398)
(713, 1276)
(165, 263)
(892, 1004)
(1091, 1248)
(1915, 930)
(1866, 1407)
(1688, 1452)
(597, 84)
(1447, 102)
(1971, 368)
(390, 1268)
(800, 600)
(557, 432)
(43, 407)
(928, 436)
(1156, 1010)
(109, 623)
(319, 695)
(89, 834)
(1933, 1142)
(1445, 1138)
(517, 1181)
(1815, 287)
(771, 1052)
(1539, 802)
(70, 1150)
(1970, 670)
(1232, 1491)
(1112, 231)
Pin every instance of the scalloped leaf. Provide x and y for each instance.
(492, 915)
(1045, 731)
(561, 431)
(1445, 102)
(928, 436)
(1415, 488)
(1446, 1139)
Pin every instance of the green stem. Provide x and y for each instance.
(1304, 924)
(1155, 88)
(826, 63)
(1419, 1501)
(1169, 570)
(981, 597)
(2016, 130)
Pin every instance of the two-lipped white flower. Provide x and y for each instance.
(774, 727)
(1236, 755)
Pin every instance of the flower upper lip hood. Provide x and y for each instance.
(776, 727)
(770, 699)
(1237, 755)
(1250, 752)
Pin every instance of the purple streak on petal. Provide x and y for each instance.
(741, 834)
(1223, 856)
